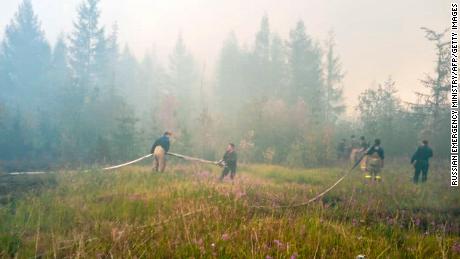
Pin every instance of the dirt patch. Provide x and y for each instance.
(14, 186)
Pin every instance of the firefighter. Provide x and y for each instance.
(228, 162)
(363, 146)
(159, 149)
(420, 161)
(354, 149)
(374, 162)
(342, 150)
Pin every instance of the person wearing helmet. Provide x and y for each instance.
(374, 162)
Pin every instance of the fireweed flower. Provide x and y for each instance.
(456, 247)
(279, 244)
(390, 220)
(354, 222)
(203, 174)
(240, 194)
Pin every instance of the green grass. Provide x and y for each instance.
(185, 212)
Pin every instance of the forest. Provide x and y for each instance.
(86, 99)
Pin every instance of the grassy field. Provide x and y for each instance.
(186, 213)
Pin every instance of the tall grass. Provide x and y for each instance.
(186, 212)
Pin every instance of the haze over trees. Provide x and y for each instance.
(84, 99)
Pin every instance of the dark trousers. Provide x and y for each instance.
(227, 170)
(421, 167)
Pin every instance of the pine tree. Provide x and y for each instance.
(25, 55)
(333, 89)
(108, 57)
(60, 76)
(87, 48)
(262, 43)
(97, 104)
(59, 108)
(229, 69)
(183, 80)
(438, 85)
(278, 70)
(3, 77)
(182, 72)
(261, 83)
(16, 144)
(128, 79)
(305, 70)
(125, 137)
(433, 107)
(66, 106)
(152, 76)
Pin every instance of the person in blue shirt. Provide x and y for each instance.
(159, 149)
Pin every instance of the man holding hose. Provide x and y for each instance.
(374, 162)
(228, 162)
(159, 149)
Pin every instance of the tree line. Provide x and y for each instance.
(86, 100)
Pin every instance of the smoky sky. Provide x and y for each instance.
(375, 39)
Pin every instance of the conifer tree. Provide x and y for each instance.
(87, 49)
(305, 71)
(182, 72)
(261, 83)
(230, 83)
(25, 57)
(333, 83)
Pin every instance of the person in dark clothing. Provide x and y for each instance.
(363, 145)
(374, 162)
(420, 161)
(229, 162)
(159, 149)
(354, 149)
(342, 150)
